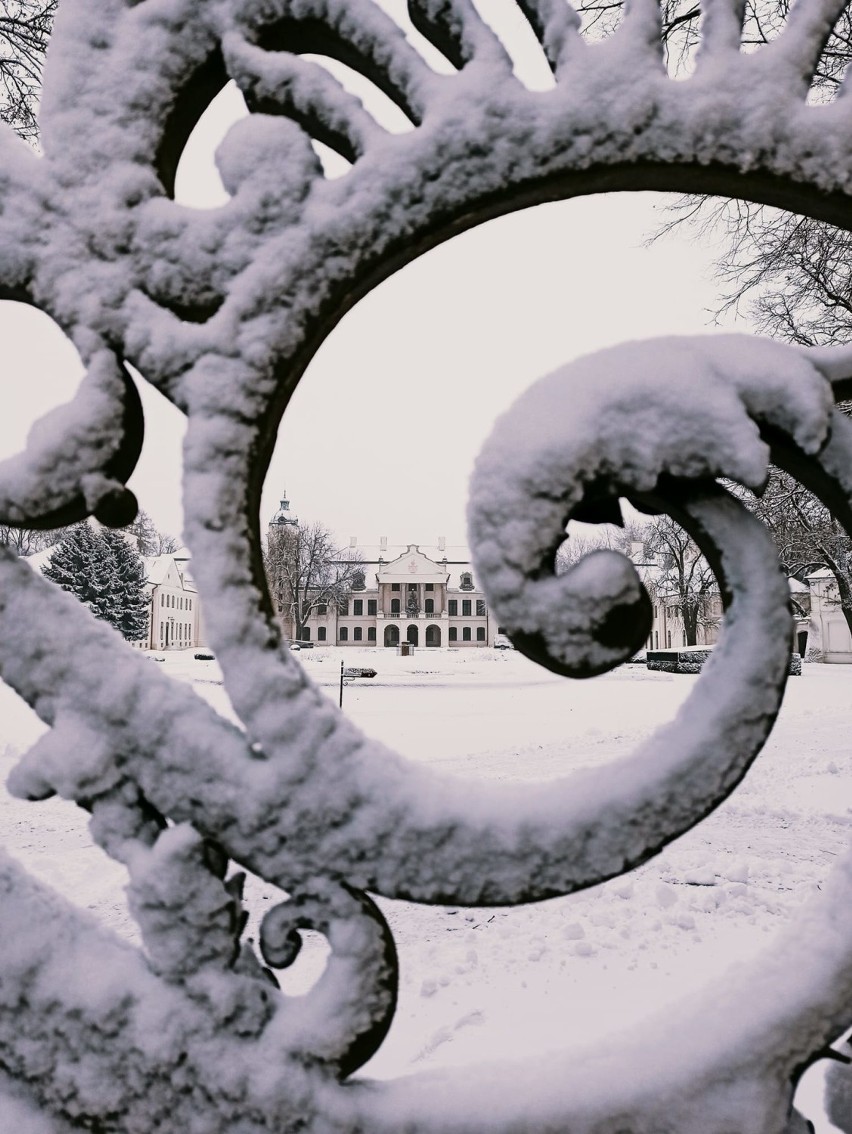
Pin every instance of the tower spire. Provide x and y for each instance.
(283, 516)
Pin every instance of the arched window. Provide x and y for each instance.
(433, 636)
(466, 634)
(411, 636)
(320, 633)
(454, 634)
(480, 633)
(371, 633)
(391, 635)
(357, 634)
(343, 633)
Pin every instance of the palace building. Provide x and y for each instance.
(422, 595)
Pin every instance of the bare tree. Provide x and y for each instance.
(306, 570)
(25, 27)
(808, 538)
(789, 274)
(683, 578)
(29, 541)
(762, 20)
(585, 538)
(149, 539)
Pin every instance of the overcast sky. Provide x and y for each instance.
(381, 435)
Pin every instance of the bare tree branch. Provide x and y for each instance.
(25, 27)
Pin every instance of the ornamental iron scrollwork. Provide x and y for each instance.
(221, 310)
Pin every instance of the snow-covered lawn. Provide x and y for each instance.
(486, 982)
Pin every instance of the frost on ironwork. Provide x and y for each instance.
(221, 310)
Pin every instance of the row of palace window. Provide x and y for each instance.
(465, 583)
(181, 632)
(428, 606)
(654, 640)
(177, 601)
(358, 634)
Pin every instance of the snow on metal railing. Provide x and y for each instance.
(221, 310)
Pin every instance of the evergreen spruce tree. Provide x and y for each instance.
(105, 573)
(129, 613)
(78, 566)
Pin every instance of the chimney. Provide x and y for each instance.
(442, 543)
(383, 543)
(353, 541)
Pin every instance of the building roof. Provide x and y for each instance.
(157, 568)
(40, 560)
(387, 551)
(393, 563)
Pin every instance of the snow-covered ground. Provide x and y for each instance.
(558, 974)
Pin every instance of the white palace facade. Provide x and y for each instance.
(422, 595)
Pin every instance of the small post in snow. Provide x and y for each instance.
(341, 686)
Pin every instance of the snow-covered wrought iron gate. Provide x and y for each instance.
(221, 310)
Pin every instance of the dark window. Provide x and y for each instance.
(467, 581)
(466, 607)
(669, 637)
(394, 586)
(357, 633)
(343, 606)
(480, 608)
(453, 634)
(480, 633)
(394, 606)
(358, 606)
(322, 609)
(344, 634)
(320, 633)
(453, 606)
(430, 606)
(358, 581)
(466, 634)
(430, 586)
(371, 606)
(306, 634)
(371, 633)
